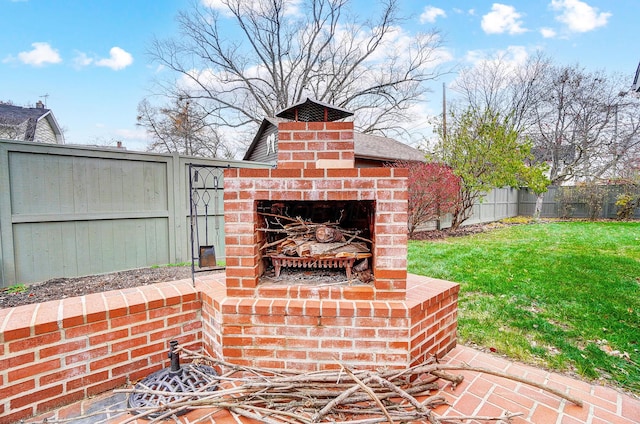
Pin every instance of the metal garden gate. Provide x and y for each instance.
(206, 213)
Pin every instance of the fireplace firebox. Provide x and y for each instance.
(318, 235)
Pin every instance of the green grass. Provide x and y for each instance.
(556, 295)
(172, 265)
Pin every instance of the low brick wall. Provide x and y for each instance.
(55, 353)
(58, 352)
(306, 328)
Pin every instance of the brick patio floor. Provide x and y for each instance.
(479, 394)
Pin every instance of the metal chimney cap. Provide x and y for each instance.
(311, 110)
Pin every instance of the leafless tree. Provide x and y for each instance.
(285, 50)
(584, 125)
(181, 128)
(505, 85)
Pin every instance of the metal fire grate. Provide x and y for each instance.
(187, 378)
(280, 261)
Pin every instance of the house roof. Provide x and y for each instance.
(368, 146)
(17, 115)
(311, 110)
(636, 80)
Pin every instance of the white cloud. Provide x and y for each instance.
(579, 16)
(137, 133)
(547, 32)
(502, 18)
(430, 14)
(82, 60)
(41, 55)
(118, 59)
(511, 57)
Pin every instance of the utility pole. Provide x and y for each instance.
(444, 112)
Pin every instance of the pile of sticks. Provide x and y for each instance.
(303, 239)
(342, 396)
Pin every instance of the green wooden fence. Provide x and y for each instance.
(68, 211)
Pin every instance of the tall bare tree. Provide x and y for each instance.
(181, 128)
(585, 124)
(249, 60)
(506, 85)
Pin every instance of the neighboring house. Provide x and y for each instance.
(636, 81)
(370, 150)
(29, 124)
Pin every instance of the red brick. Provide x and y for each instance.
(336, 344)
(16, 361)
(291, 126)
(87, 380)
(129, 343)
(147, 327)
(86, 329)
(301, 320)
(148, 349)
(346, 135)
(7, 391)
(47, 317)
(167, 334)
(323, 135)
(253, 173)
(86, 355)
(291, 354)
(107, 337)
(336, 126)
(116, 304)
(358, 293)
(270, 363)
(544, 414)
(106, 385)
(359, 357)
(109, 361)
(328, 155)
(63, 347)
(16, 333)
(301, 135)
(59, 401)
(62, 375)
(314, 173)
(391, 273)
(129, 367)
(33, 369)
(130, 320)
(270, 320)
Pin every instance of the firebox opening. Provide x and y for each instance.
(310, 242)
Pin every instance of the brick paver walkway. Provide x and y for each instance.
(478, 394)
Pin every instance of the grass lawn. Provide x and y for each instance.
(562, 295)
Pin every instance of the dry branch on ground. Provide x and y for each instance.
(338, 396)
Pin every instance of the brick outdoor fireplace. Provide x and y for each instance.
(388, 319)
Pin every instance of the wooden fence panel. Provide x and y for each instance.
(68, 211)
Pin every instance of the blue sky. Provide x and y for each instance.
(88, 56)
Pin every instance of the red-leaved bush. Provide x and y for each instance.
(434, 190)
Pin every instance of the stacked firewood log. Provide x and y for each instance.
(306, 239)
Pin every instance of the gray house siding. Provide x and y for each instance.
(44, 132)
(266, 144)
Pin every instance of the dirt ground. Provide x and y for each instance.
(60, 288)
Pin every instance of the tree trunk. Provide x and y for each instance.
(538, 210)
